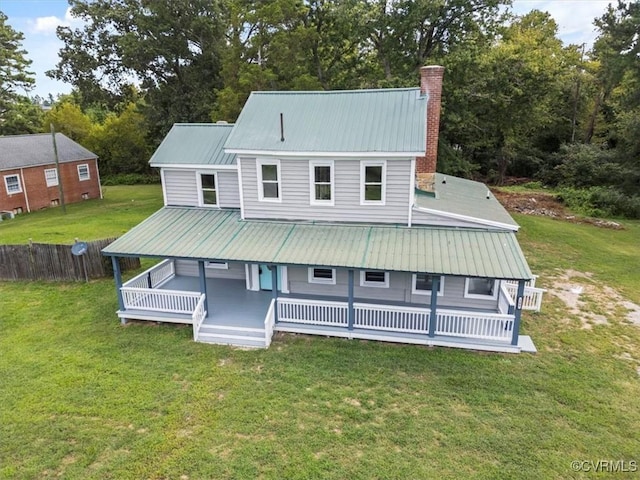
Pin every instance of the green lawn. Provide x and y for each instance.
(121, 208)
(85, 398)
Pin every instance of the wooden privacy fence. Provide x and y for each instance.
(43, 261)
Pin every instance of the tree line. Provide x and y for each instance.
(516, 101)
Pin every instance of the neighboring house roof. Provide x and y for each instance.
(17, 151)
(194, 144)
(464, 199)
(388, 122)
(201, 233)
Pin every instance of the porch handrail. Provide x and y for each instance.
(313, 312)
(198, 315)
(391, 318)
(506, 302)
(269, 323)
(170, 301)
(486, 326)
(532, 298)
(155, 275)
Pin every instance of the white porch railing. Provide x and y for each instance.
(199, 315)
(313, 312)
(391, 318)
(532, 298)
(486, 326)
(154, 276)
(505, 299)
(170, 301)
(269, 324)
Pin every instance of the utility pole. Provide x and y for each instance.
(55, 154)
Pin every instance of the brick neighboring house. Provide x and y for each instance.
(29, 179)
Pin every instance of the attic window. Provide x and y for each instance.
(372, 182)
(269, 180)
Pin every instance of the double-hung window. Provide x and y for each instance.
(83, 172)
(373, 182)
(51, 177)
(12, 184)
(374, 278)
(269, 189)
(422, 284)
(208, 189)
(486, 288)
(321, 180)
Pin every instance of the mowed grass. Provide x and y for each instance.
(121, 208)
(82, 397)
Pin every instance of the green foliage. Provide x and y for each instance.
(131, 179)
(600, 202)
(17, 113)
(68, 118)
(121, 143)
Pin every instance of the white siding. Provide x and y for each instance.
(400, 285)
(190, 268)
(295, 187)
(229, 192)
(181, 187)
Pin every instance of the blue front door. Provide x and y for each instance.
(266, 281)
(265, 278)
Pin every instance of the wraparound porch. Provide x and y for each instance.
(232, 314)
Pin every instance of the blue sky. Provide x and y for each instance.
(38, 19)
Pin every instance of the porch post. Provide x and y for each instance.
(274, 291)
(518, 312)
(118, 279)
(351, 313)
(203, 283)
(433, 316)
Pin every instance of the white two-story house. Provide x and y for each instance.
(321, 213)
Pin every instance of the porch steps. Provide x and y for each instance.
(236, 336)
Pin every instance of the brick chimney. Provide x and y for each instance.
(431, 86)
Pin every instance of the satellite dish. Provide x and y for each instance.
(79, 248)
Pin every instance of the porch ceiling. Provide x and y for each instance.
(203, 233)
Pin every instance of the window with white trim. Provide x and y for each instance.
(322, 275)
(12, 184)
(321, 180)
(422, 284)
(374, 278)
(269, 180)
(485, 288)
(373, 182)
(217, 264)
(83, 172)
(51, 177)
(208, 189)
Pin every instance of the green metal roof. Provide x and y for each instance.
(350, 121)
(204, 233)
(194, 144)
(465, 198)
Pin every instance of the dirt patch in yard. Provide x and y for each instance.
(584, 298)
(548, 205)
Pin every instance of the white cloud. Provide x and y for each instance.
(48, 25)
(574, 17)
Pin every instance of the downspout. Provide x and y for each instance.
(24, 189)
(412, 191)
